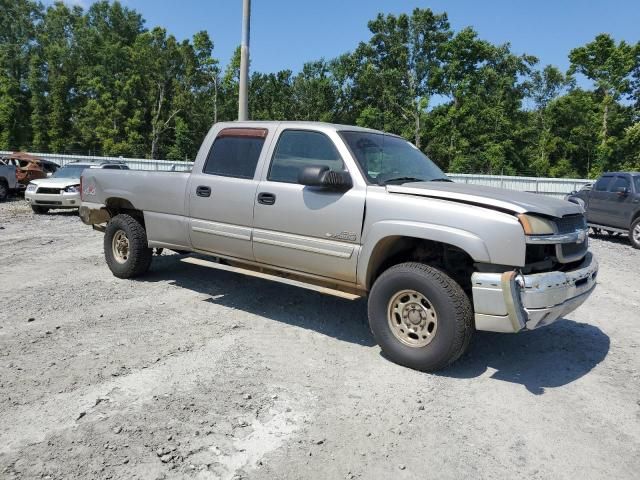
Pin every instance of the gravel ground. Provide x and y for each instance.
(195, 373)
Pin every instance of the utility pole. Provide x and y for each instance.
(243, 100)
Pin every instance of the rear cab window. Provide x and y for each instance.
(235, 152)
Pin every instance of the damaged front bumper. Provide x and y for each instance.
(509, 302)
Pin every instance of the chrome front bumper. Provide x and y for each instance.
(510, 302)
(53, 200)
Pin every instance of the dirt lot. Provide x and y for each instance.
(196, 373)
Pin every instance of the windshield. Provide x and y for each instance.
(388, 159)
(70, 172)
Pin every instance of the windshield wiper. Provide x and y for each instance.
(401, 180)
(443, 179)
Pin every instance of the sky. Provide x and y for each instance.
(287, 33)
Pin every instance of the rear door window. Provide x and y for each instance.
(602, 184)
(235, 152)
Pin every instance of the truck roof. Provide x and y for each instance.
(621, 173)
(294, 124)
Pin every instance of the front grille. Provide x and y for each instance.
(54, 191)
(571, 223)
(47, 202)
(573, 249)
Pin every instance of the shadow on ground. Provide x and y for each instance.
(336, 317)
(549, 357)
(617, 238)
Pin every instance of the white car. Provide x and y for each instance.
(62, 189)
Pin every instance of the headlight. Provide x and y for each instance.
(31, 187)
(534, 225)
(72, 189)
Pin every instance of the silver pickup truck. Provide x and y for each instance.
(352, 210)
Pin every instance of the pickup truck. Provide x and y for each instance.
(8, 181)
(349, 210)
(613, 204)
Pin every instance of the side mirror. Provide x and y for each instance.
(622, 191)
(325, 178)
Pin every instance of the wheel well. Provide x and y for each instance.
(394, 250)
(117, 205)
(635, 216)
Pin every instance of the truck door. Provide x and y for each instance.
(222, 194)
(597, 211)
(305, 228)
(621, 205)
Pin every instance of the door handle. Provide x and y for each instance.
(266, 198)
(203, 191)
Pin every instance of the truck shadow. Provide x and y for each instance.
(622, 239)
(550, 357)
(336, 317)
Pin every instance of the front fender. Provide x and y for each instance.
(464, 240)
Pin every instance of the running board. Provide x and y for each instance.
(611, 229)
(267, 276)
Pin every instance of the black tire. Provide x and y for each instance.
(452, 307)
(634, 233)
(39, 210)
(4, 190)
(138, 257)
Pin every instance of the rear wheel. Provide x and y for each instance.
(634, 233)
(420, 317)
(39, 210)
(125, 247)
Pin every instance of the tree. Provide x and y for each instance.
(543, 87)
(401, 69)
(17, 37)
(609, 66)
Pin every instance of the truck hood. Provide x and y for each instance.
(489, 197)
(56, 182)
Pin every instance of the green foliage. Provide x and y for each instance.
(98, 81)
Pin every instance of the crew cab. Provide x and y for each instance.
(612, 204)
(349, 210)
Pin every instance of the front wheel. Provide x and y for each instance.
(420, 317)
(125, 247)
(634, 233)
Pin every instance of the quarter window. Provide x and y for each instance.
(235, 152)
(298, 149)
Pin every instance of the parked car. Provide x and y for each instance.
(613, 204)
(62, 190)
(8, 181)
(348, 209)
(29, 167)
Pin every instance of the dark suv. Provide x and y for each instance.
(613, 204)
